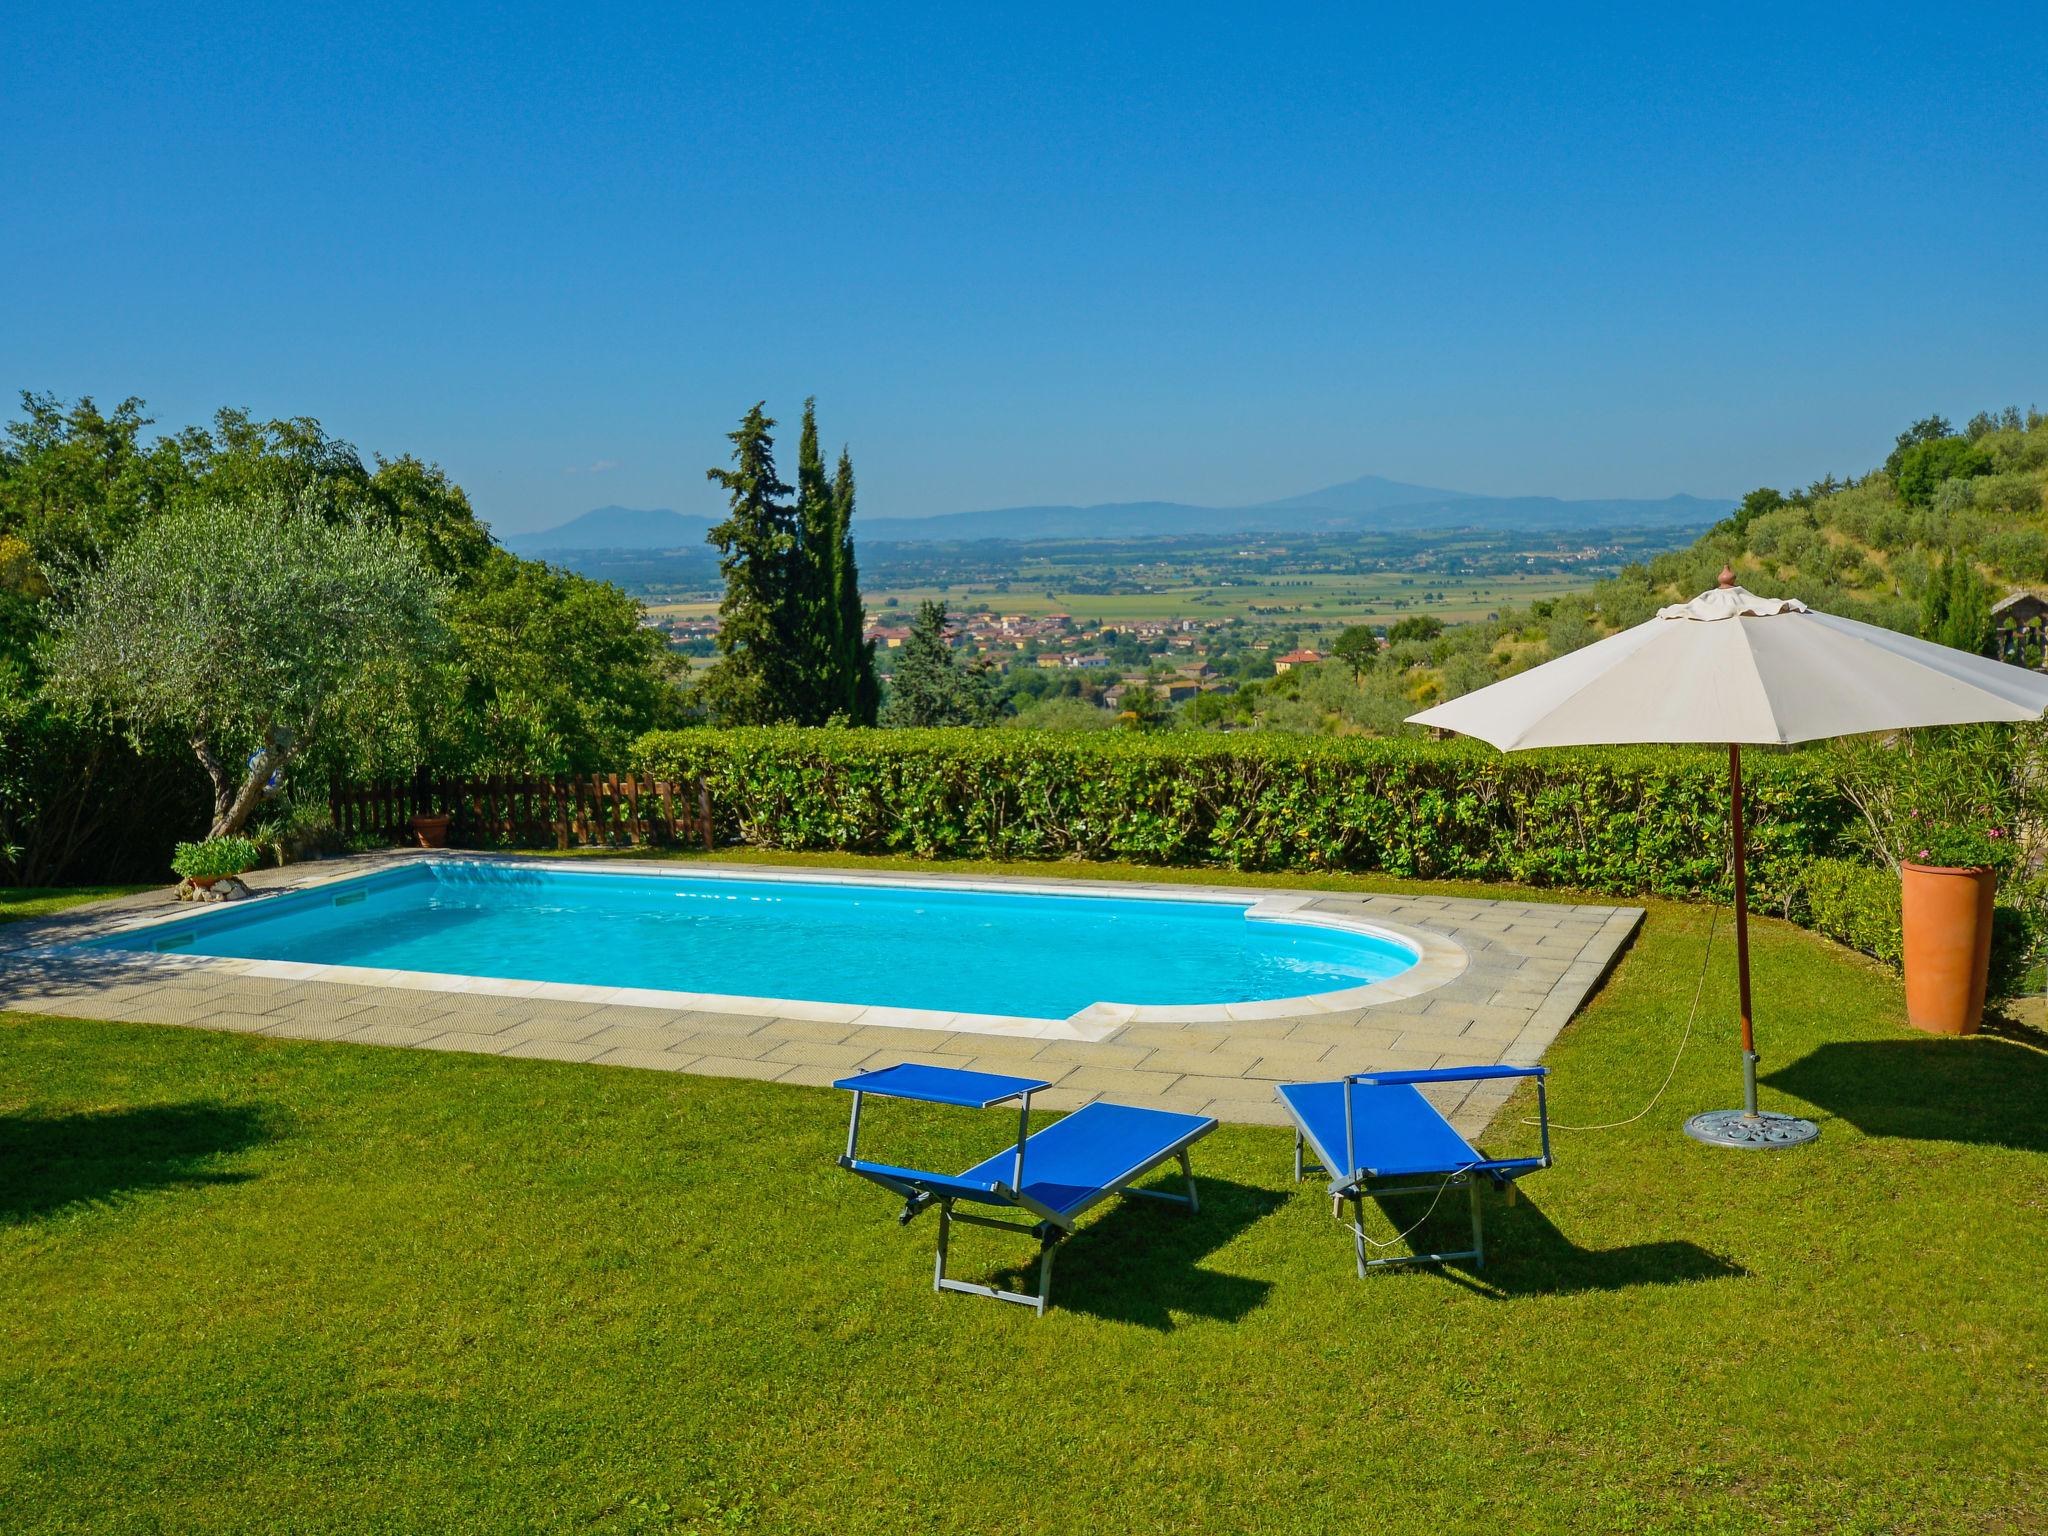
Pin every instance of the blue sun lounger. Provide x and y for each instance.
(1051, 1175)
(1375, 1134)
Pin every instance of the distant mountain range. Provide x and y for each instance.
(613, 528)
(1369, 502)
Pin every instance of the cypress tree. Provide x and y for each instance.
(813, 614)
(859, 694)
(1955, 609)
(758, 677)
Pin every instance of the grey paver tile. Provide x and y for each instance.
(630, 1038)
(1351, 1039)
(875, 1060)
(1015, 1052)
(804, 1029)
(311, 1029)
(655, 1061)
(1114, 1082)
(739, 1047)
(557, 1031)
(552, 1050)
(1221, 1061)
(459, 1040)
(908, 1038)
(810, 1076)
(1205, 1088)
(390, 1034)
(234, 1023)
(1092, 1053)
(1176, 1036)
(735, 1066)
(1306, 1060)
(1239, 1112)
(841, 1058)
(1492, 1030)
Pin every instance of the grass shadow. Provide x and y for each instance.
(1527, 1254)
(1140, 1262)
(49, 1163)
(2003, 1020)
(1982, 1090)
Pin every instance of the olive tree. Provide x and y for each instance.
(250, 626)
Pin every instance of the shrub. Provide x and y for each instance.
(216, 858)
(1619, 820)
(300, 826)
(1853, 904)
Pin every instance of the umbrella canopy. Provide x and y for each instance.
(1729, 668)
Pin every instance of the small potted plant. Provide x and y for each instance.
(1948, 878)
(430, 831)
(205, 865)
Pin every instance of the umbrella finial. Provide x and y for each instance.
(1727, 576)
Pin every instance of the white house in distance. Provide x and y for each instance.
(1295, 659)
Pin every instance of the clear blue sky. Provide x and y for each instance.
(1034, 254)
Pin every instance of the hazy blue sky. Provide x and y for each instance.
(1040, 254)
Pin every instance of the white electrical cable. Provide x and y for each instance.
(1698, 988)
(1402, 1235)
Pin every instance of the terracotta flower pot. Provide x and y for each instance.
(204, 882)
(1947, 919)
(431, 831)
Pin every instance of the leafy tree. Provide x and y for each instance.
(1417, 626)
(759, 676)
(1984, 423)
(418, 500)
(1754, 505)
(1924, 467)
(74, 480)
(251, 627)
(553, 673)
(1929, 429)
(1357, 647)
(930, 687)
(1143, 707)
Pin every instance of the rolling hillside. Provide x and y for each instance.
(1874, 546)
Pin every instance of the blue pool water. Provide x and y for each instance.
(912, 947)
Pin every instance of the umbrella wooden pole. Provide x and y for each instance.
(1742, 928)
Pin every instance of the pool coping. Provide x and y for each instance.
(1439, 958)
(1532, 964)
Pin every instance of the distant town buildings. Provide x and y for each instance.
(1175, 653)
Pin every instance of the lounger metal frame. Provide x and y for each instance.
(1363, 1182)
(921, 1191)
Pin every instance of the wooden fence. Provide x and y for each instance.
(601, 810)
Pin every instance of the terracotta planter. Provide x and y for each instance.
(1947, 919)
(431, 831)
(205, 882)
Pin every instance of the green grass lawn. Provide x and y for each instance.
(18, 902)
(255, 1285)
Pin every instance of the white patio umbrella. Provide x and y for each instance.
(1730, 667)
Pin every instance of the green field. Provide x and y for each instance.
(259, 1285)
(1292, 601)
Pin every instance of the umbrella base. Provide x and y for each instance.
(1744, 1128)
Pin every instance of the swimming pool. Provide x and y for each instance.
(707, 939)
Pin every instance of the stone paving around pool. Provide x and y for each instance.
(1528, 967)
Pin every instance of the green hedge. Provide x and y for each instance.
(1619, 820)
(1853, 904)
